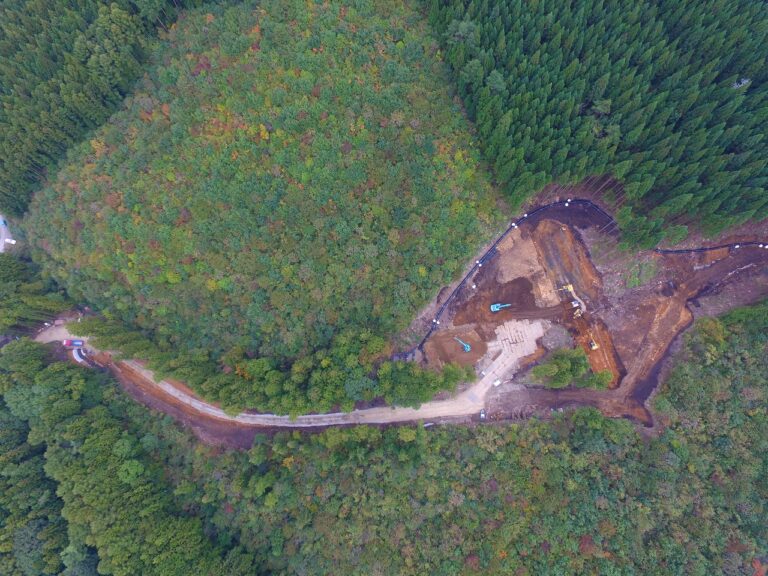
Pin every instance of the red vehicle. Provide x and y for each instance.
(73, 343)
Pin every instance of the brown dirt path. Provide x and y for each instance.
(686, 278)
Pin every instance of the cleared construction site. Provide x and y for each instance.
(541, 288)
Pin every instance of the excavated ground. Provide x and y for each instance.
(518, 293)
(447, 349)
(529, 273)
(633, 327)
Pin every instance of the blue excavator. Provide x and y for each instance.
(498, 307)
(467, 347)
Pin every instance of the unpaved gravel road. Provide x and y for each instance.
(466, 403)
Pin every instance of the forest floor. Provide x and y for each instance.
(633, 318)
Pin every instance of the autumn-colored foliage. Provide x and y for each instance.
(275, 202)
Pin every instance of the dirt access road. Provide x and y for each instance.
(687, 276)
(467, 403)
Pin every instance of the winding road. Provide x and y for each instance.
(467, 403)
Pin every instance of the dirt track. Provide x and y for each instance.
(518, 293)
(141, 381)
(642, 333)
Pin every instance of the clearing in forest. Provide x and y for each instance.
(545, 276)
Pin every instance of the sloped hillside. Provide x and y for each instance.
(287, 173)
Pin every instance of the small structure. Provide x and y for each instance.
(741, 83)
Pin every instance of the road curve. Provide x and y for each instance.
(464, 404)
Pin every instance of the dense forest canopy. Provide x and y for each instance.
(669, 96)
(83, 496)
(286, 186)
(288, 178)
(33, 533)
(93, 478)
(25, 300)
(567, 366)
(64, 68)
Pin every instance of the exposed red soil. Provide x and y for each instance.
(633, 328)
(689, 276)
(206, 429)
(587, 329)
(565, 259)
(518, 293)
(567, 262)
(642, 323)
(444, 347)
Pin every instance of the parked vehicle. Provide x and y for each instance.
(73, 343)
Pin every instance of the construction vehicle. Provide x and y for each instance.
(576, 302)
(497, 307)
(593, 345)
(467, 347)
